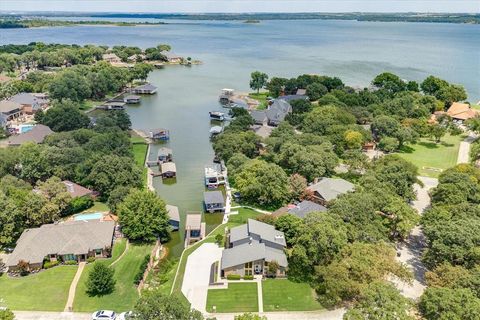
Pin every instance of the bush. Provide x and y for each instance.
(6, 315)
(219, 240)
(248, 277)
(50, 264)
(90, 259)
(143, 267)
(80, 204)
(70, 262)
(23, 267)
(234, 277)
(388, 144)
(100, 280)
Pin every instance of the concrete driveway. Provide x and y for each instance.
(40, 315)
(197, 274)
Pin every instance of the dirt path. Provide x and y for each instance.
(73, 287)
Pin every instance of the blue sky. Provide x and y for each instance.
(192, 6)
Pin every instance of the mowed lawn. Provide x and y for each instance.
(43, 291)
(431, 157)
(125, 294)
(139, 149)
(239, 297)
(285, 295)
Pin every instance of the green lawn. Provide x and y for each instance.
(285, 295)
(139, 148)
(261, 97)
(98, 207)
(239, 297)
(430, 157)
(125, 294)
(44, 291)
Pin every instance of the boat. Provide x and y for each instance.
(217, 115)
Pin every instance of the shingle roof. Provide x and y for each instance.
(278, 110)
(146, 86)
(27, 98)
(266, 232)
(250, 252)
(76, 190)
(272, 254)
(239, 233)
(173, 212)
(211, 197)
(73, 237)
(258, 115)
(461, 111)
(305, 207)
(330, 188)
(168, 167)
(37, 135)
(292, 97)
(7, 106)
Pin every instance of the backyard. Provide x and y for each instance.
(239, 297)
(261, 97)
(125, 294)
(430, 157)
(139, 149)
(285, 295)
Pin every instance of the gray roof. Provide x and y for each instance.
(278, 110)
(147, 86)
(73, 237)
(37, 135)
(164, 151)
(170, 55)
(305, 207)
(258, 116)
(292, 97)
(28, 98)
(173, 212)
(168, 167)
(265, 231)
(193, 221)
(247, 252)
(7, 106)
(330, 188)
(132, 97)
(262, 131)
(211, 197)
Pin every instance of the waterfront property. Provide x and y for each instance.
(301, 209)
(71, 240)
(10, 109)
(292, 97)
(30, 102)
(145, 89)
(328, 189)
(259, 117)
(172, 57)
(164, 155)
(132, 99)
(174, 216)
(251, 247)
(111, 58)
(215, 175)
(461, 111)
(213, 201)
(159, 134)
(194, 228)
(277, 111)
(168, 170)
(36, 135)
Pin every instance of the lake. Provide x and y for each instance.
(230, 51)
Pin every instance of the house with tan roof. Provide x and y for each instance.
(461, 111)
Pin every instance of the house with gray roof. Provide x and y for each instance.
(145, 89)
(213, 201)
(10, 109)
(251, 247)
(194, 228)
(259, 116)
(302, 209)
(277, 112)
(36, 135)
(328, 189)
(292, 97)
(174, 216)
(72, 240)
(30, 102)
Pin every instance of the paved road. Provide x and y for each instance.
(197, 274)
(464, 150)
(38, 315)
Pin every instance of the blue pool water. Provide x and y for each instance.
(26, 128)
(87, 216)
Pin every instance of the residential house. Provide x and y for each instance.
(194, 228)
(36, 135)
(213, 201)
(259, 117)
(301, 209)
(251, 247)
(292, 97)
(30, 102)
(132, 99)
(215, 175)
(172, 57)
(174, 216)
(111, 58)
(277, 112)
(168, 170)
(3, 121)
(10, 109)
(145, 89)
(72, 240)
(461, 111)
(78, 191)
(328, 189)
(164, 155)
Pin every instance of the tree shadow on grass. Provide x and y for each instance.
(425, 144)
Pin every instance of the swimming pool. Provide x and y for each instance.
(26, 127)
(88, 216)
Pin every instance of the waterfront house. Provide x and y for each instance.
(145, 89)
(174, 216)
(10, 109)
(36, 135)
(78, 191)
(164, 155)
(213, 201)
(111, 58)
(292, 97)
(132, 99)
(277, 112)
(251, 247)
(328, 189)
(215, 175)
(172, 57)
(137, 57)
(259, 117)
(302, 209)
(30, 102)
(194, 228)
(168, 170)
(159, 134)
(71, 240)
(461, 112)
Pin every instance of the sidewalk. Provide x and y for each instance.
(73, 287)
(464, 150)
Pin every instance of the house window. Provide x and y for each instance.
(248, 268)
(68, 257)
(98, 252)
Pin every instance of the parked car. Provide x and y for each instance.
(125, 315)
(104, 315)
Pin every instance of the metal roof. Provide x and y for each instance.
(212, 197)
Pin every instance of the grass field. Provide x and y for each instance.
(139, 149)
(44, 291)
(125, 294)
(261, 97)
(430, 157)
(239, 297)
(285, 295)
(98, 207)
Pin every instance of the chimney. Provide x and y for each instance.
(69, 186)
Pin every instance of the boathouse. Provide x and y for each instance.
(145, 89)
(194, 228)
(113, 105)
(215, 175)
(168, 170)
(132, 99)
(213, 201)
(174, 216)
(164, 155)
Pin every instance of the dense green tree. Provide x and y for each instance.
(437, 131)
(320, 119)
(64, 116)
(297, 185)
(100, 280)
(316, 90)
(356, 160)
(69, 85)
(389, 82)
(116, 197)
(443, 90)
(276, 86)
(143, 216)
(229, 143)
(449, 304)
(290, 225)
(454, 277)
(258, 80)
(141, 70)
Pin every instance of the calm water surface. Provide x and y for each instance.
(354, 51)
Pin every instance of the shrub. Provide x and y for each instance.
(388, 144)
(234, 277)
(100, 280)
(219, 240)
(23, 267)
(248, 277)
(6, 315)
(70, 262)
(90, 259)
(141, 271)
(50, 264)
(80, 204)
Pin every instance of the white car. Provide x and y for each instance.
(104, 315)
(125, 315)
